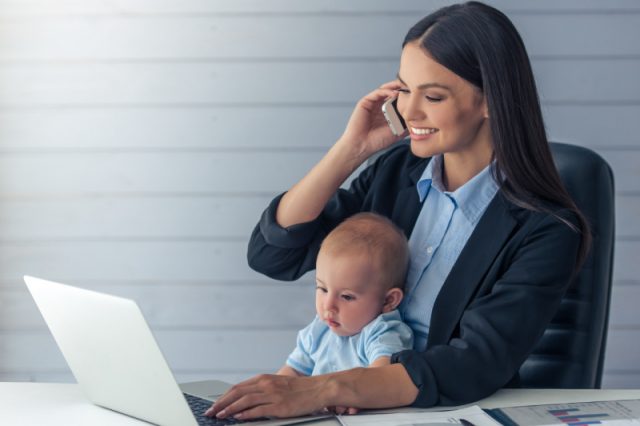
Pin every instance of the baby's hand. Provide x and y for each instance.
(343, 410)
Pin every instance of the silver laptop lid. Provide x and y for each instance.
(111, 352)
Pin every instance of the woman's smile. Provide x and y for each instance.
(421, 133)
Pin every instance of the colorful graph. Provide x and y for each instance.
(603, 413)
(576, 417)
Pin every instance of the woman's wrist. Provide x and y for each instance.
(352, 155)
(331, 391)
(381, 387)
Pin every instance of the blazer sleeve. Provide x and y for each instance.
(288, 253)
(501, 326)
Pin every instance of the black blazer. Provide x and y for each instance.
(493, 307)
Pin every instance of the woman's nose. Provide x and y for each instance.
(410, 109)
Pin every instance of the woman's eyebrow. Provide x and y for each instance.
(425, 85)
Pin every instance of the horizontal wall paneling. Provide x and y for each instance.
(126, 84)
(196, 37)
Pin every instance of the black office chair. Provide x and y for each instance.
(571, 352)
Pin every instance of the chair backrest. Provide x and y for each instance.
(571, 352)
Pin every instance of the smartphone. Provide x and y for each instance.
(393, 117)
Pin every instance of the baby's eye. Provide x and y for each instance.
(322, 289)
(348, 297)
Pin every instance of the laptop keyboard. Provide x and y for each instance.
(199, 406)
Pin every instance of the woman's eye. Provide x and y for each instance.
(433, 99)
(322, 289)
(402, 90)
(348, 297)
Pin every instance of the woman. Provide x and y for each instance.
(495, 238)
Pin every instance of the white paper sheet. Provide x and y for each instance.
(577, 413)
(473, 414)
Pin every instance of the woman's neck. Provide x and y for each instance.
(460, 168)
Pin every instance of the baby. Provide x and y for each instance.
(360, 274)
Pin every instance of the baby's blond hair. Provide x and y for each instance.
(377, 236)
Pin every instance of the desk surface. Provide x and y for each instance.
(56, 404)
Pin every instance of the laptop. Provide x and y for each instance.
(117, 362)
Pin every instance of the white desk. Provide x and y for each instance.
(56, 404)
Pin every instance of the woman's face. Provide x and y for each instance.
(444, 112)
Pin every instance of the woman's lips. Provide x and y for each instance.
(422, 133)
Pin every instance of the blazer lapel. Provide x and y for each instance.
(407, 206)
(406, 210)
(478, 254)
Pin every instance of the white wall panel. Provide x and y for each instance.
(627, 215)
(232, 306)
(594, 124)
(623, 347)
(227, 350)
(194, 37)
(621, 380)
(177, 260)
(203, 37)
(291, 7)
(157, 172)
(181, 376)
(48, 218)
(625, 265)
(624, 305)
(624, 163)
(171, 83)
(153, 128)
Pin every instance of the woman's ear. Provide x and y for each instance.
(392, 299)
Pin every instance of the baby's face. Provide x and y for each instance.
(348, 292)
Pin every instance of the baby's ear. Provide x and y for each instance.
(392, 299)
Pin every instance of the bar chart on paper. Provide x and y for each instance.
(573, 414)
(579, 416)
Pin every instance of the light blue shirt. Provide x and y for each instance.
(443, 227)
(320, 351)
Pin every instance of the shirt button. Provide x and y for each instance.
(429, 250)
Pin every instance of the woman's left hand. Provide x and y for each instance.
(272, 396)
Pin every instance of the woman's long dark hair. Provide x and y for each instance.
(481, 45)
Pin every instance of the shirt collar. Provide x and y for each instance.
(426, 180)
(472, 198)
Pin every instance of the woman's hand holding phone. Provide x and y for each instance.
(366, 133)
(367, 130)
